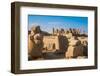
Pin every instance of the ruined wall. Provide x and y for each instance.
(55, 43)
(51, 43)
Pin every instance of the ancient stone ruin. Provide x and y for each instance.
(35, 43)
(70, 43)
(75, 48)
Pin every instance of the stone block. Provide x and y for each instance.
(74, 51)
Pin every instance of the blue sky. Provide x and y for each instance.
(47, 22)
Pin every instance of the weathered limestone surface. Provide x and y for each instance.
(69, 35)
(84, 42)
(75, 49)
(35, 44)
